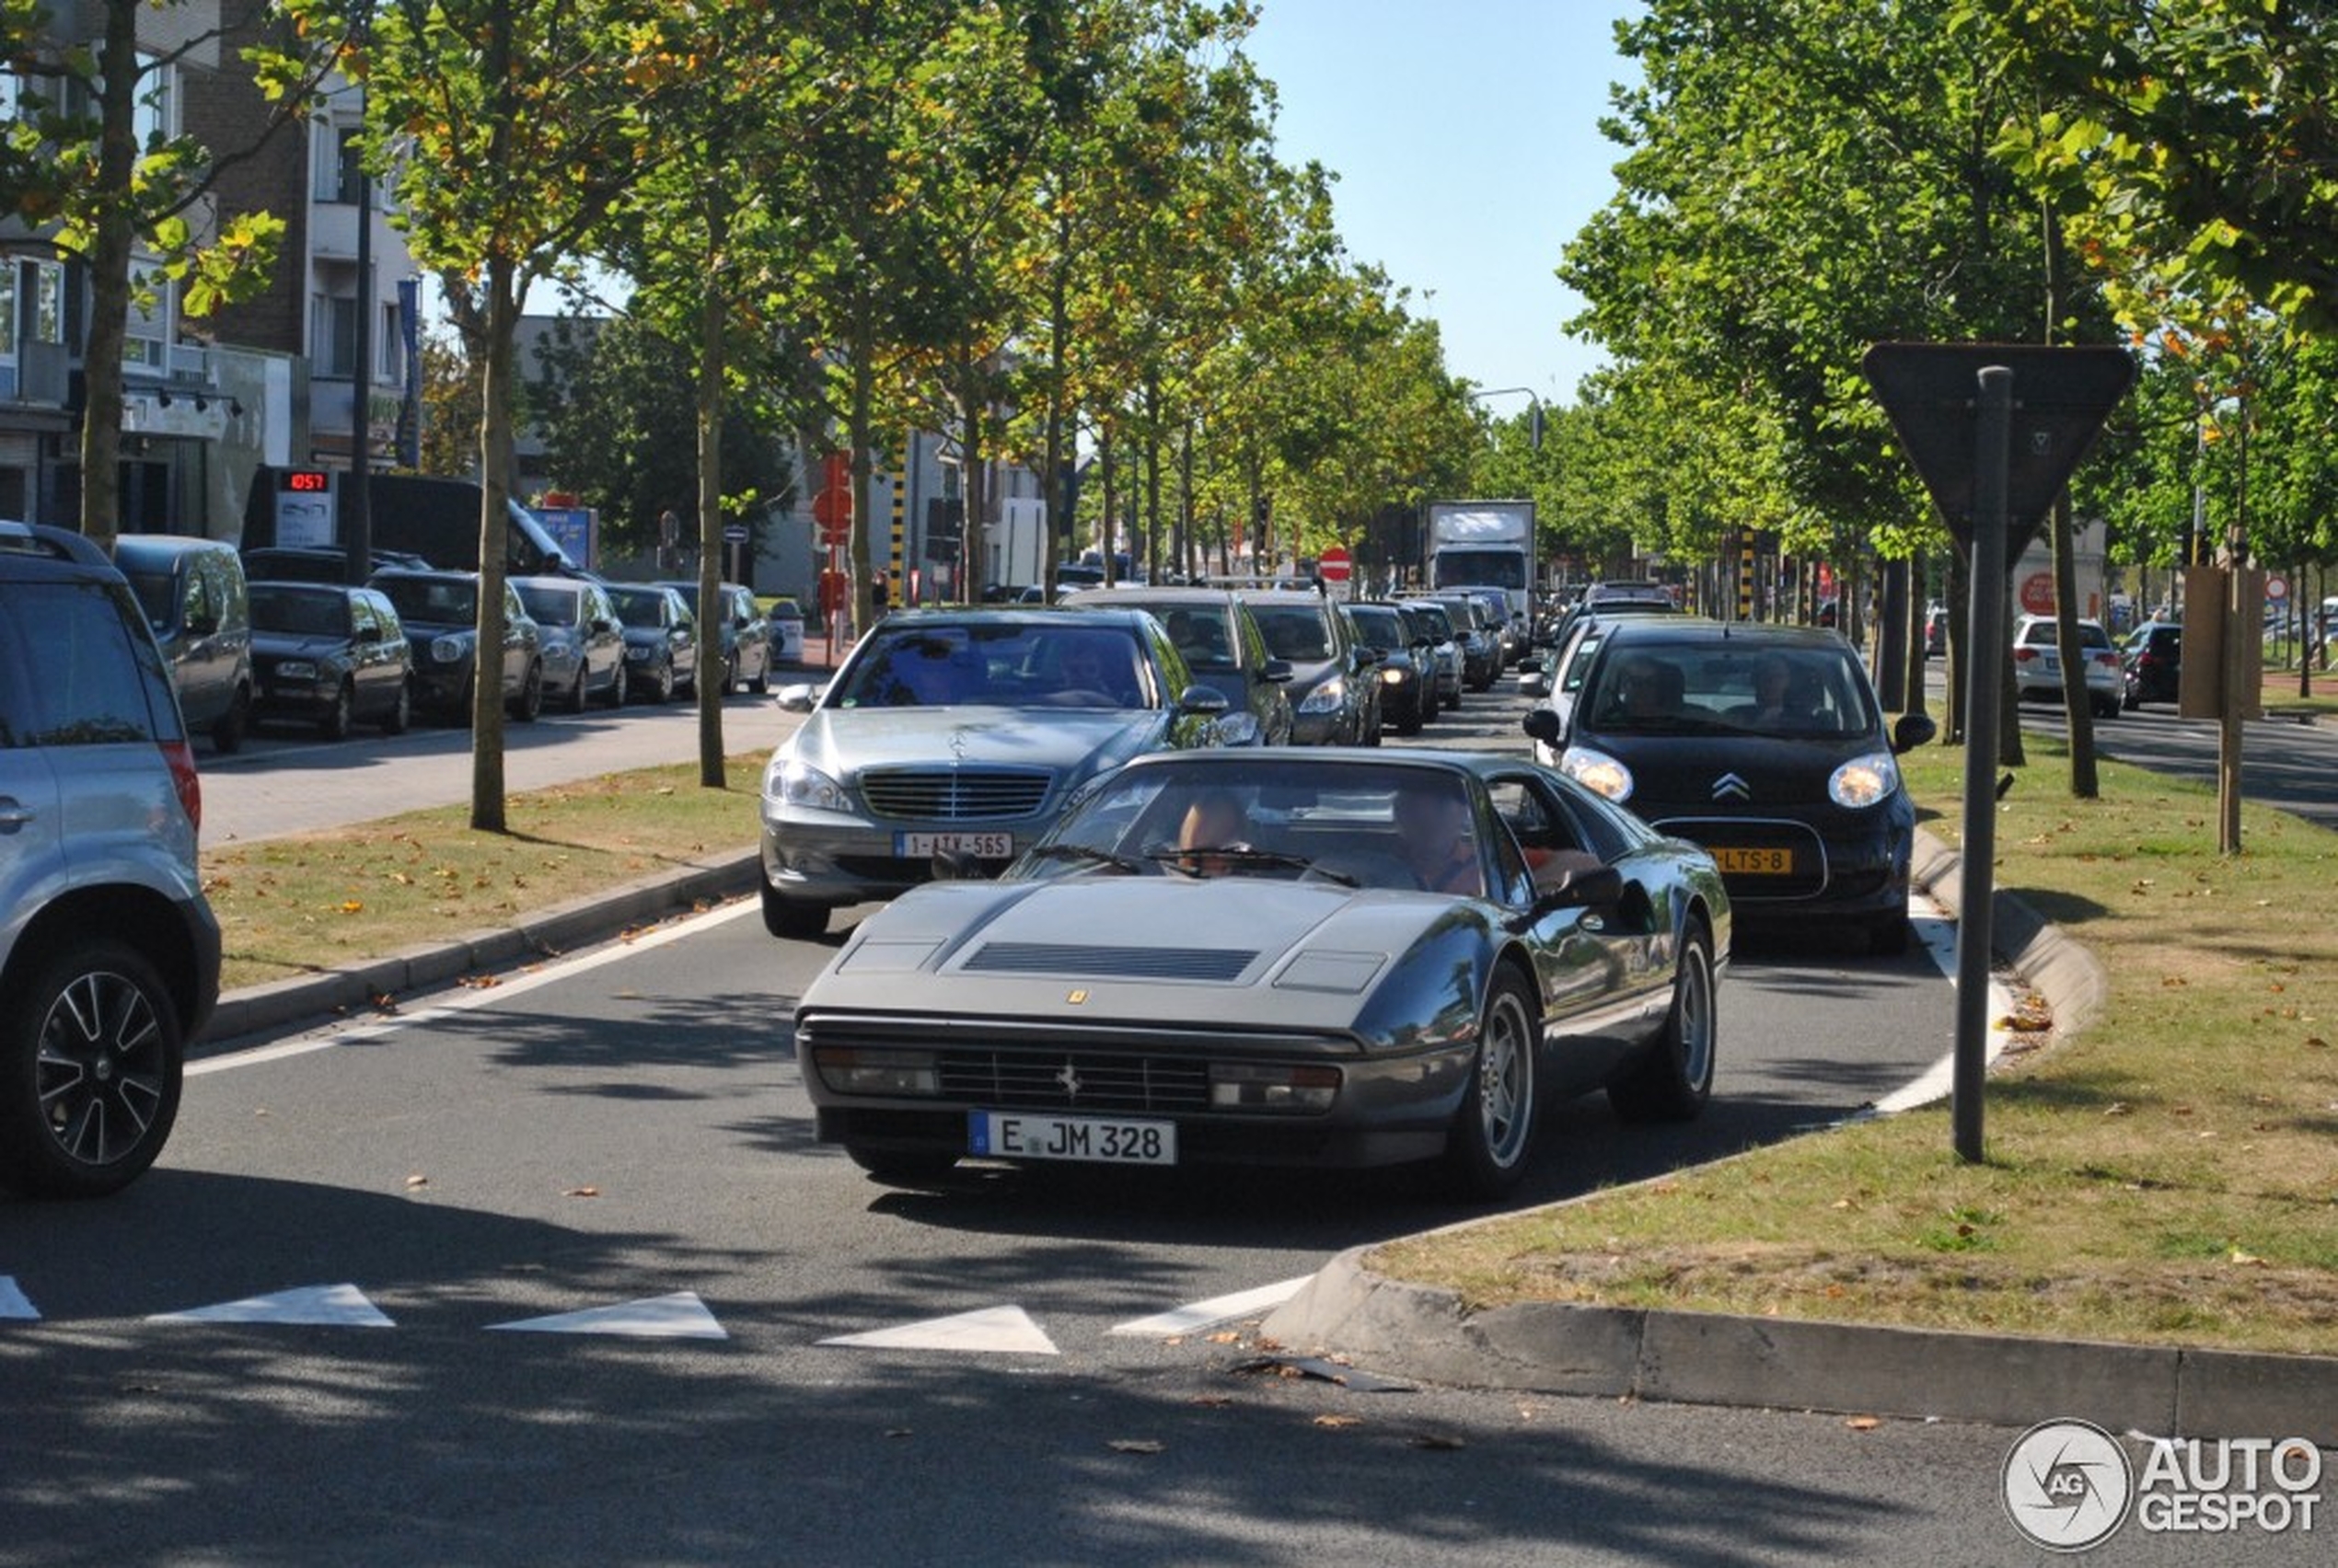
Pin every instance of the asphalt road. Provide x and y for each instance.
(623, 1134)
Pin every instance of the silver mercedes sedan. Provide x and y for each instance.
(961, 735)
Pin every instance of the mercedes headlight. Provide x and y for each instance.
(788, 782)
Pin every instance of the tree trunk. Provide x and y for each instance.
(1153, 477)
(2076, 702)
(109, 277)
(494, 492)
(711, 320)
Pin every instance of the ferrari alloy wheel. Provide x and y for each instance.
(1674, 1077)
(90, 1065)
(1495, 1129)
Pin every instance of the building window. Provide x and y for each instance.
(40, 299)
(8, 311)
(339, 174)
(390, 353)
(332, 335)
(148, 336)
(155, 117)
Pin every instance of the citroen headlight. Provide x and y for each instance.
(788, 782)
(450, 650)
(298, 669)
(1597, 771)
(1865, 780)
(1327, 697)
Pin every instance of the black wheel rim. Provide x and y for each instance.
(102, 1069)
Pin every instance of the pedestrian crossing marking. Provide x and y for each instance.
(1007, 1329)
(14, 1304)
(330, 1306)
(1217, 1309)
(679, 1316)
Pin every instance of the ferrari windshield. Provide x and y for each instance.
(1368, 824)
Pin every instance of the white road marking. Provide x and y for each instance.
(1937, 933)
(1007, 1329)
(332, 1306)
(1217, 1309)
(679, 1316)
(13, 1303)
(472, 1000)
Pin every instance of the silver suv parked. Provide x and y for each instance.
(108, 952)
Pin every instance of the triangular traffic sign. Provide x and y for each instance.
(329, 1306)
(14, 1302)
(2061, 396)
(994, 1329)
(679, 1316)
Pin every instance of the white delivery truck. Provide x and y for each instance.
(1485, 544)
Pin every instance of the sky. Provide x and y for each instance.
(1465, 136)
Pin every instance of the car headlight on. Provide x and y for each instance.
(1394, 675)
(1243, 1085)
(788, 782)
(298, 669)
(1327, 697)
(450, 650)
(851, 1071)
(1597, 771)
(1865, 780)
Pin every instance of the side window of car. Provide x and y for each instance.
(364, 625)
(91, 691)
(1253, 642)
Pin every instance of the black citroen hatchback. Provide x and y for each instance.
(1764, 743)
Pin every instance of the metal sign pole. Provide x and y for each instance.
(1985, 679)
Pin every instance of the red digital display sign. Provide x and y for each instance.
(307, 482)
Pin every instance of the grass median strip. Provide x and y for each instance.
(314, 901)
(2170, 1176)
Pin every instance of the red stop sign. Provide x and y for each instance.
(1334, 564)
(2037, 594)
(832, 508)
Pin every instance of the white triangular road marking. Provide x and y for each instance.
(1217, 1309)
(1005, 1329)
(679, 1316)
(13, 1303)
(335, 1306)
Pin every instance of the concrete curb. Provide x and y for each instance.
(1421, 1331)
(350, 991)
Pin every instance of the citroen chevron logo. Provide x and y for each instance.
(1731, 786)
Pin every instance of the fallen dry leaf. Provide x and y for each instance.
(582, 1192)
(1863, 1424)
(418, 1180)
(1229, 1336)
(1338, 1421)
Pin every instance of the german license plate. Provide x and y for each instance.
(1755, 862)
(1006, 1135)
(988, 846)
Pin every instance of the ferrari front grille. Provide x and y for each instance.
(955, 794)
(1102, 1084)
(1089, 961)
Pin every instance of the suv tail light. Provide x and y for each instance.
(180, 757)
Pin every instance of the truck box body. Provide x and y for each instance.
(437, 519)
(1475, 544)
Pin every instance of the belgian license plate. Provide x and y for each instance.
(1004, 1135)
(988, 846)
(1755, 862)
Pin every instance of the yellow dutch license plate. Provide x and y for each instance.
(1755, 862)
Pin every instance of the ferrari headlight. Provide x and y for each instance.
(1242, 1086)
(1327, 697)
(1865, 780)
(788, 782)
(1597, 771)
(876, 1072)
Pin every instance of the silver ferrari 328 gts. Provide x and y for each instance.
(1279, 956)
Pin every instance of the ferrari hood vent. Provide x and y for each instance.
(1110, 961)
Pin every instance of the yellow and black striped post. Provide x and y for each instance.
(900, 509)
(1745, 579)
